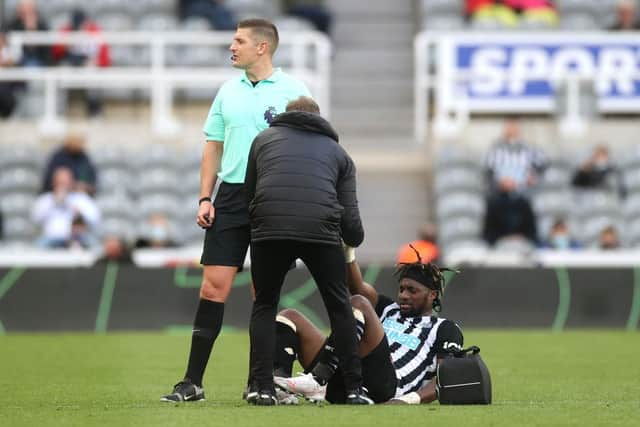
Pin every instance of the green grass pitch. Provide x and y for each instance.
(584, 378)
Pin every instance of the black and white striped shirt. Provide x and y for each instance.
(515, 160)
(415, 343)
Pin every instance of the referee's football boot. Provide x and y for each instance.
(358, 397)
(185, 391)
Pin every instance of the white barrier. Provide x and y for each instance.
(310, 61)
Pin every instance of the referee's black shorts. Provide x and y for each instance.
(227, 240)
(378, 377)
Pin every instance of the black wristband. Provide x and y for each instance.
(204, 199)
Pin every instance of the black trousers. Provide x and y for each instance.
(270, 261)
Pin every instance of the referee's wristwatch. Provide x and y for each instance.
(204, 199)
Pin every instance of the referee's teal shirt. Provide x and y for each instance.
(240, 111)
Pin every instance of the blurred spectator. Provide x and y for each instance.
(219, 16)
(425, 244)
(156, 232)
(56, 210)
(115, 249)
(314, 11)
(509, 12)
(609, 238)
(92, 53)
(560, 238)
(81, 235)
(72, 155)
(8, 58)
(626, 16)
(509, 214)
(512, 164)
(28, 19)
(598, 172)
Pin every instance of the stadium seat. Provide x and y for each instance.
(190, 233)
(631, 179)
(459, 228)
(17, 203)
(157, 22)
(111, 156)
(20, 154)
(158, 155)
(579, 22)
(457, 178)
(251, 8)
(556, 177)
(514, 245)
(19, 179)
(443, 22)
(18, 229)
(631, 206)
(552, 203)
(115, 205)
(158, 203)
(195, 23)
(568, 7)
(459, 203)
(595, 202)
(115, 21)
(119, 227)
(157, 180)
(632, 233)
(430, 7)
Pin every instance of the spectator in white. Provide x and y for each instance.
(55, 211)
(511, 161)
(599, 172)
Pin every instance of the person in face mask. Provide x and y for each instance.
(598, 172)
(156, 233)
(559, 237)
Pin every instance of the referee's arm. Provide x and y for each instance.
(209, 166)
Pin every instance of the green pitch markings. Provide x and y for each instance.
(7, 283)
(104, 307)
(564, 299)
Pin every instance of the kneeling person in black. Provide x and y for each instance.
(301, 187)
(401, 343)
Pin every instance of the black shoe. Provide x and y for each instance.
(358, 397)
(262, 398)
(184, 391)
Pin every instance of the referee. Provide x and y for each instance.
(302, 190)
(242, 108)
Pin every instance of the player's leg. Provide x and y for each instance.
(270, 261)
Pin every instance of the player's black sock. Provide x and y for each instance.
(287, 347)
(327, 360)
(206, 328)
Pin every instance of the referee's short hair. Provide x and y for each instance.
(304, 103)
(263, 29)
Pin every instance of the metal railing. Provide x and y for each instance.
(309, 58)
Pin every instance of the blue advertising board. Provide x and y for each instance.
(521, 72)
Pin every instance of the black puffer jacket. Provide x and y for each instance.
(301, 184)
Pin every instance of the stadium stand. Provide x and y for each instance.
(443, 181)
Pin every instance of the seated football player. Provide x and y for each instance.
(400, 342)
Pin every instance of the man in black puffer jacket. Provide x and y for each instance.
(301, 187)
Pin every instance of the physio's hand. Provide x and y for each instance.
(206, 214)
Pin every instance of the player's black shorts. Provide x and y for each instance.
(227, 240)
(378, 376)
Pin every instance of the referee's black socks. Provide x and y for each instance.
(206, 328)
